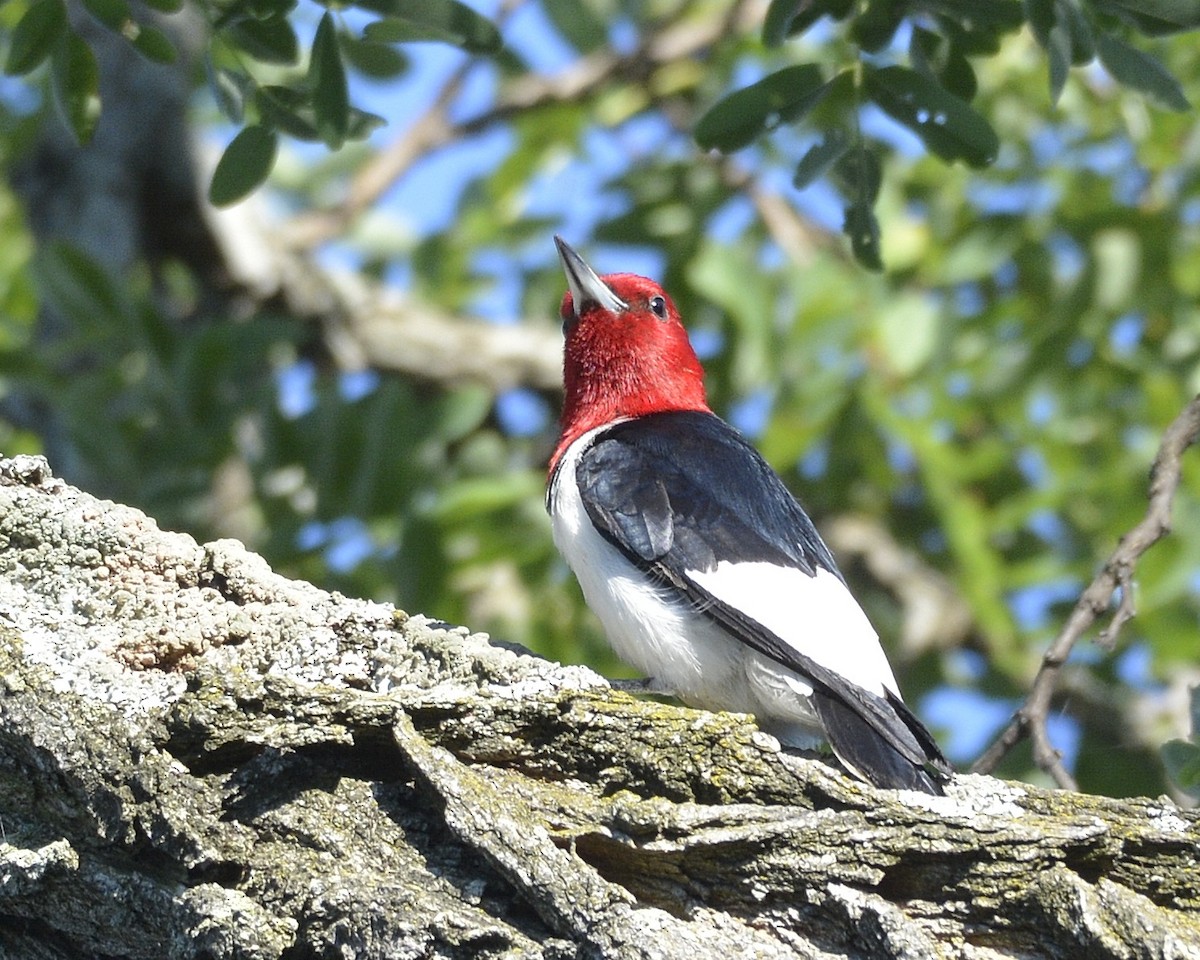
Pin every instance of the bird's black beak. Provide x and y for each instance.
(585, 286)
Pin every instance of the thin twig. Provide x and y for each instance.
(427, 132)
(1117, 572)
(587, 76)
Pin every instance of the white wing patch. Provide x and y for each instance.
(817, 616)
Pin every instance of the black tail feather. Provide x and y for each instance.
(933, 753)
(903, 756)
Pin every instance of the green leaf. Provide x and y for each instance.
(230, 88)
(394, 31)
(288, 110)
(1182, 760)
(153, 44)
(1066, 36)
(928, 51)
(875, 27)
(996, 16)
(243, 166)
(781, 15)
(1141, 71)
(327, 81)
(862, 227)
(578, 23)
(1155, 17)
(76, 84)
(787, 18)
(271, 41)
(375, 60)
(447, 21)
(975, 29)
(1083, 44)
(820, 157)
(233, 12)
(959, 77)
(263, 9)
(948, 125)
(941, 59)
(858, 175)
(1054, 39)
(783, 96)
(165, 6)
(291, 111)
(114, 14)
(35, 35)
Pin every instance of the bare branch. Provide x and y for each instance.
(673, 41)
(365, 325)
(386, 333)
(430, 131)
(1117, 572)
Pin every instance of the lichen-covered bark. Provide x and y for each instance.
(201, 758)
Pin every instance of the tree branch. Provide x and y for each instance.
(198, 756)
(670, 42)
(1116, 574)
(367, 327)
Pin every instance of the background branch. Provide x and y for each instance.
(669, 42)
(1116, 574)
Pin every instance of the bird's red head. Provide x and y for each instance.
(627, 353)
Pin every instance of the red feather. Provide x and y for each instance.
(626, 364)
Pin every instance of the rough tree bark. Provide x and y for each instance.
(200, 758)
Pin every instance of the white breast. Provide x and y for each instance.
(646, 624)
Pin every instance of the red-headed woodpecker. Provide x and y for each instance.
(703, 569)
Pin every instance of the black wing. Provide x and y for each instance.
(676, 492)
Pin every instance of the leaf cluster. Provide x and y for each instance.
(314, 104)
(43, 33)
(309, 103)
(926, 83)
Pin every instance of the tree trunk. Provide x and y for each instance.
(200, 758)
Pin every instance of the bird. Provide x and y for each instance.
(704, 570)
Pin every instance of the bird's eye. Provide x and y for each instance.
(659, 307)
